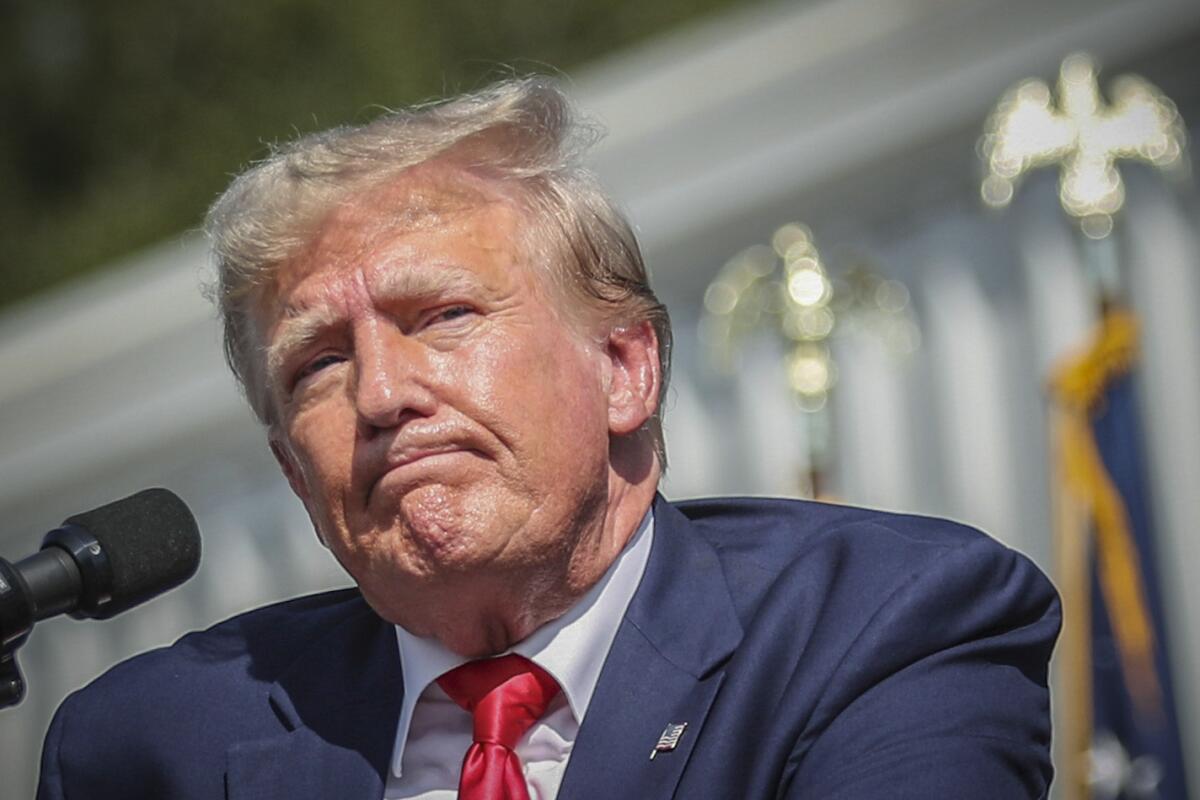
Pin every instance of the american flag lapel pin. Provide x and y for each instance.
(669, 739)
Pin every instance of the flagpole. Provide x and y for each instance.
(1073, 544)
(1074, 675)
(1073, 510)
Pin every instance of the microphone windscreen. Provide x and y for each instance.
(152, 543)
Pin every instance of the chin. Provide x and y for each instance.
(439, 529)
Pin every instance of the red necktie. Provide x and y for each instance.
(506, 696)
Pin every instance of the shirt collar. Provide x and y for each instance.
(572, 648)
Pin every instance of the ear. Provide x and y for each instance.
(635, 377)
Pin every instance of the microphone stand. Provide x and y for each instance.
(16, 620)
(12, 685)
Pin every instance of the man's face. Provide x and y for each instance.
(439, 419)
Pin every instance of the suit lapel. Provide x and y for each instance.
(663, 668)
(338, 705)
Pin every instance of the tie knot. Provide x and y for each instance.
(505, 695)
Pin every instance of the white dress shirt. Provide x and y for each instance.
(434, 733)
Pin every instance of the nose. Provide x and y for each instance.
(392, 380)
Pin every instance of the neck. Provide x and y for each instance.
(505, 609)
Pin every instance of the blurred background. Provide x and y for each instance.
(877, 298)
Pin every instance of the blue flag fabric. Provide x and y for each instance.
(1148, 736)
(1134, 750)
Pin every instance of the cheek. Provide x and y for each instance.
(547, 392)
(324, 447)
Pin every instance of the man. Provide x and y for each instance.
(449, 335)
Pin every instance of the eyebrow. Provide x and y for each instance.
(299, 328)
(303, 325)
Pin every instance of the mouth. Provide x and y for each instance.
(414, 465)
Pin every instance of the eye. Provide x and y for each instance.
(315, 366)
(450, 314)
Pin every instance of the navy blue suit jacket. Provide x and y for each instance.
(814, 651)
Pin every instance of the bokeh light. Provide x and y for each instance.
(1083, 135)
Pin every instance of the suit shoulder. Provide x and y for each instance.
(226, 659)
(818, 553)
(776, 528)
(167, 715)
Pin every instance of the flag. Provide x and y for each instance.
(1122, 736)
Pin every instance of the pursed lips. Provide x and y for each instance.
(400, 458)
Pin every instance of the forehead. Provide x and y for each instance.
(407, 219)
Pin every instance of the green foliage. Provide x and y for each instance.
(121, 121)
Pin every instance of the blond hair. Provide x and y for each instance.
(520, 134)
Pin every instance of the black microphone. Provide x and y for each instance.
(98, 564)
